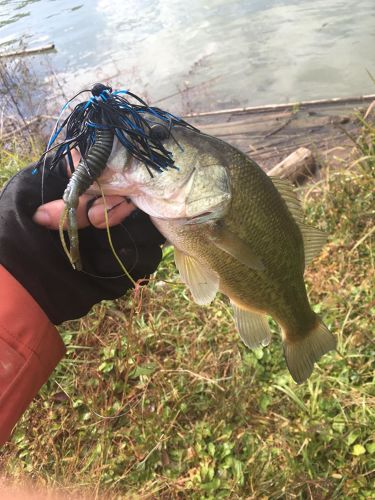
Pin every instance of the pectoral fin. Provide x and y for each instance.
(252, 327)
(229, 242)
(202, 282)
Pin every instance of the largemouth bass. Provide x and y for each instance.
(234, 230)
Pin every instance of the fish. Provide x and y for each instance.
(234, 230)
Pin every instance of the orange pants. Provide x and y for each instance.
(30, 348)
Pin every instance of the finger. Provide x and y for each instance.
(49, 214)
(118, 208)
(76, 156)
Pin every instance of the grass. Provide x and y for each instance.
(158, 397)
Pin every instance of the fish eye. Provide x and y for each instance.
(159, 132)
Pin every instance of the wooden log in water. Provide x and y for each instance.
(301, 163)
(286, 106)
(270, 133)
(29, 52)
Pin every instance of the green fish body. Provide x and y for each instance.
(236, 230)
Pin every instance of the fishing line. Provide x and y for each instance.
(92, 275)
(50, 142)
(110, 239)
(63, 219)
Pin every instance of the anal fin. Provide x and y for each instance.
(252, 327)
(202, 282)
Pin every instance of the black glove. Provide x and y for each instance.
(35, 257)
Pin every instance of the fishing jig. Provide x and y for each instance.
(91, 128)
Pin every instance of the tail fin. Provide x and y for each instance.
(301, 354)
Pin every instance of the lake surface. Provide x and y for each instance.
(232, 53)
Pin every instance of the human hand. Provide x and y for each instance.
(90, 211)
(35, 257)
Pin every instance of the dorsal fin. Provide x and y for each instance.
(285, 188)
(313, 239)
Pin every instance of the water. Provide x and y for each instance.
(233, 53)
